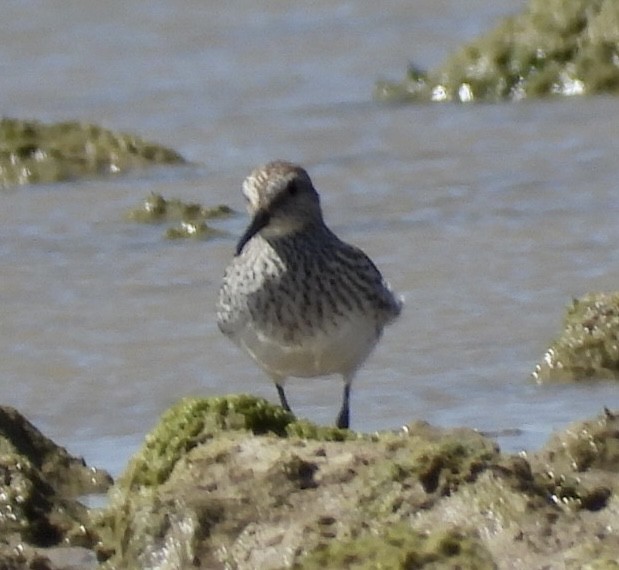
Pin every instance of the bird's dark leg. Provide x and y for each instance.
(282, 398)
(343, 418)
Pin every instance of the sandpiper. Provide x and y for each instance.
(300, 301)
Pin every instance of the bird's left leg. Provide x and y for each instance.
(282, 397)
(343, 418)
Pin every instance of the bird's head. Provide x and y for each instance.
(281, 200)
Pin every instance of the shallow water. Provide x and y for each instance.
(488, 218)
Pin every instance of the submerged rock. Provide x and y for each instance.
(230, 483)
(191, 217)
(32, 152)
(588, 347)
(554, 47)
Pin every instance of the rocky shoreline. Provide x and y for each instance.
(235, 482)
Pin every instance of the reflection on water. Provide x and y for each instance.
(488, 218)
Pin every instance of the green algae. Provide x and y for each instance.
(194, 421)
(156, 209)
(309, 430)
(554, 47)
(442, 462)
(601, 564)
(190, 217)
(444, 466)
(399, 547)
(34, 152)
(422, 466)
(588, 347)
(587, 445)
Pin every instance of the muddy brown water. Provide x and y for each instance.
(487, 218)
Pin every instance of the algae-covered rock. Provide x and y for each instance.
(31, 151)
(39, 486)
(554, 47)
(400, 548)
(191, 230)
(12, 558)
(588, 347)
(21, 556)
(20, 440)
(156, 209)
(225, 482)
(194, 421)
(190, 217)
(237, 483)
(586, 446)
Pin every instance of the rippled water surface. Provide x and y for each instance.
(488, 218)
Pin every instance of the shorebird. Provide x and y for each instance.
(300, 301)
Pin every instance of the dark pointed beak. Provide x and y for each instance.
(260, 220)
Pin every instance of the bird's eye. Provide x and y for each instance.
(291, 188)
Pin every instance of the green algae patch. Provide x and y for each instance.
(422, 466)
(309, 430)
(194, 421)
(442, 462)
(588, 347)
(401, 548)
(443, 466)
(589, 445)
(554, 47)
(34, 152)
(190, 217)
(156, 209)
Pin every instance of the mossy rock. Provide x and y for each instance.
(67, 474)
(401, 548)
(194, 421)
(588, 347)
(25, 557)
(238, 482)
(554, 47)
(233, 482)
(583, 446)
(190, 217)
(156, 209)
(39, 484)
(31, 152)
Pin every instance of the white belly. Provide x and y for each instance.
(340, 351)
